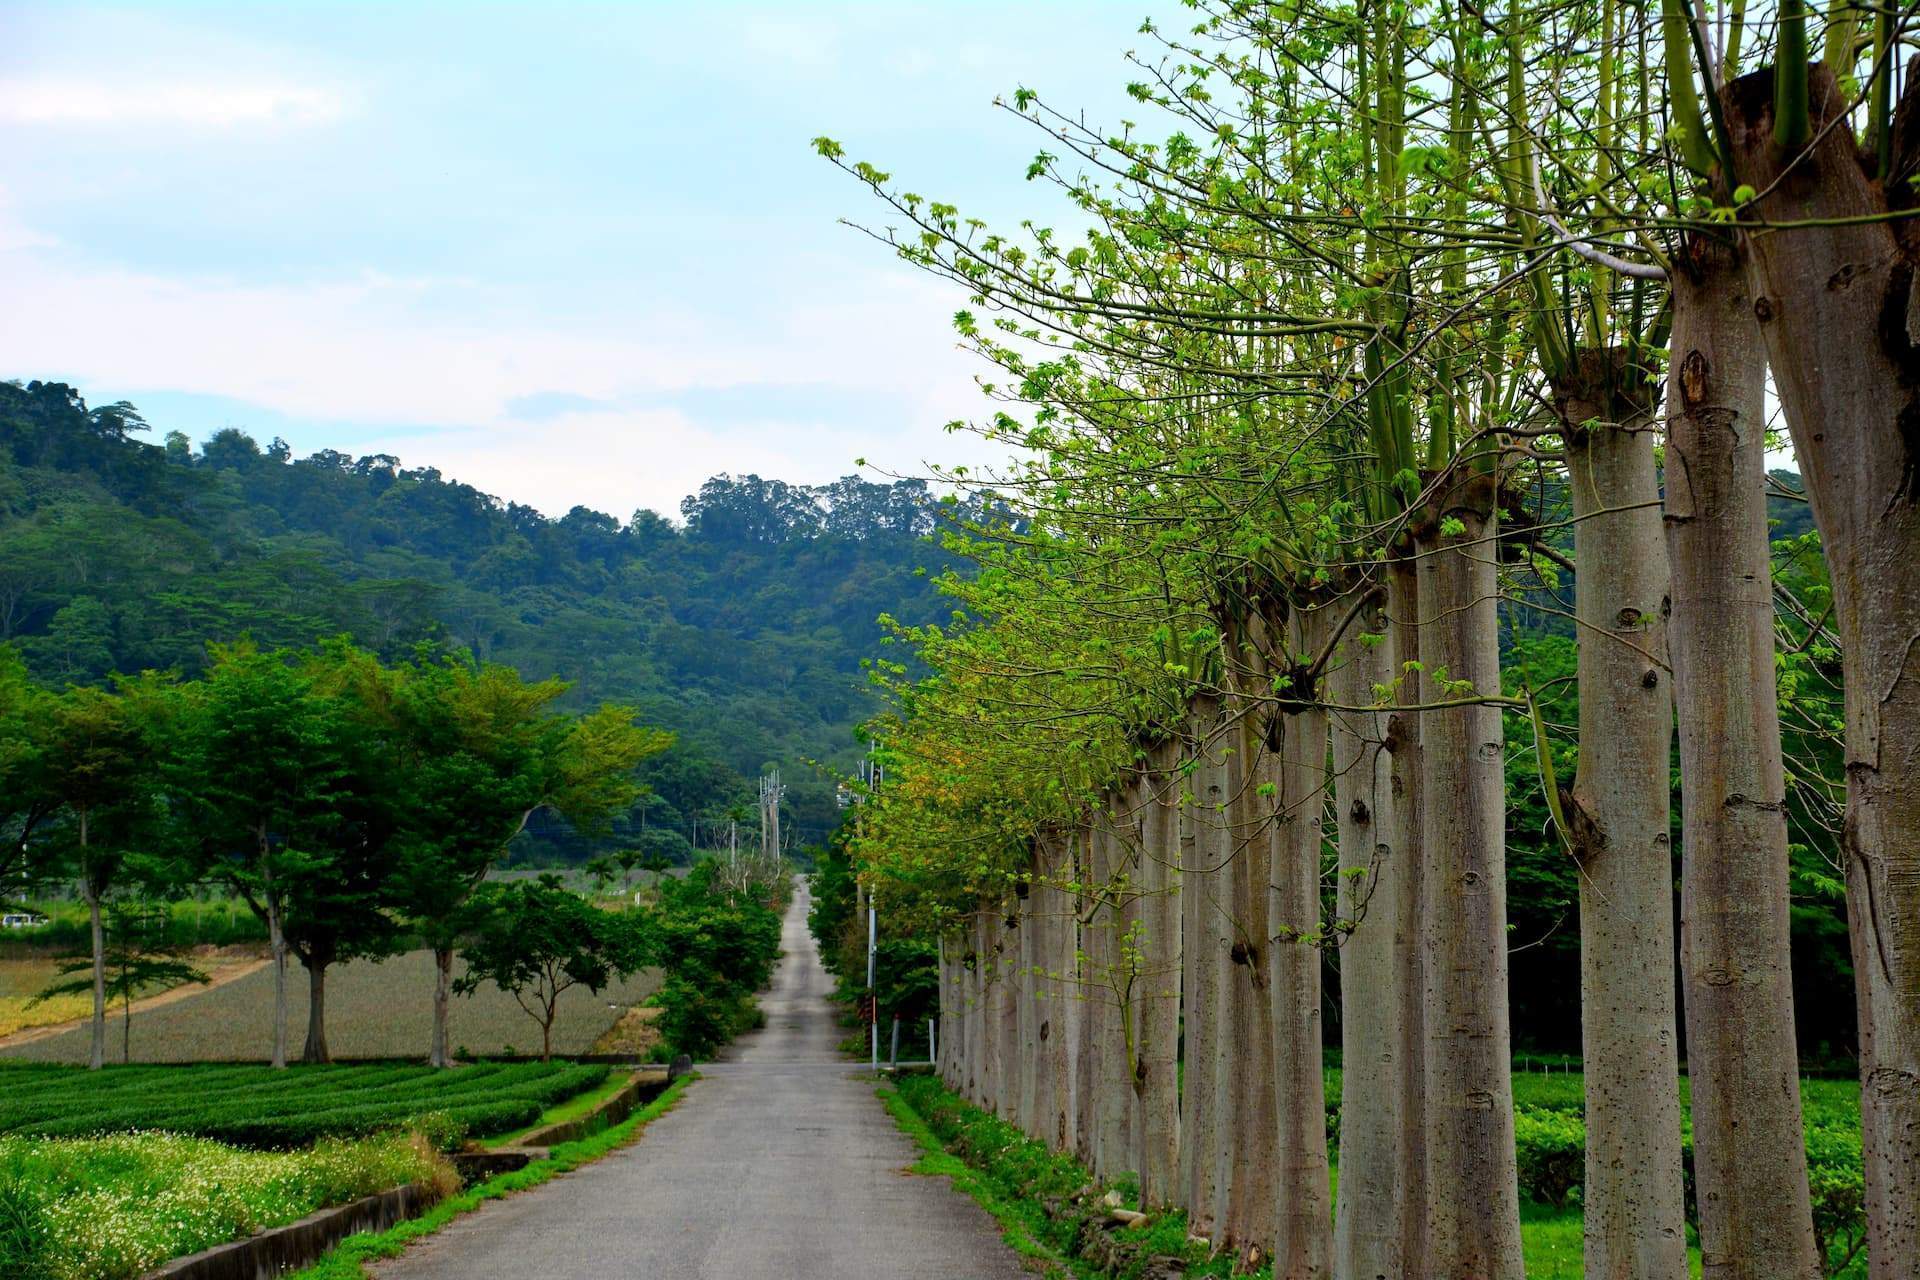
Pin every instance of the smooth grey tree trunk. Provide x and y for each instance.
(1006, 932)
(1408, 837)
(1096, 993)
(973, 988)
(1303, 1209)
(316, 1047)
(944, 1003)
(1749, 1155)
(1367, 1229)
(1249, 1124)
(988, 972)
(1842, 337)
(277, 944)
(1206, 845)
(1113, 836)
(1047, 922)
(441, 1055)
(1084, 1022)
(1156, 1061)
(1027, 1004)
(1473, 1206)
(1617, 815)
(97, 1051)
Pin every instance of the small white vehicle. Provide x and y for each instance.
(22, 920)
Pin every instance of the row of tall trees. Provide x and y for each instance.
(356, 806)
(1401, 311)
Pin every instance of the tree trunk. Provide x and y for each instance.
(1113, 1086)
(1838, 311)
(943, 1002)
(316, 1049)
(1617, 812)
(1749, 1155)
(1042, 926)
(1027, 1005)
(1297, 738)
(973, 989)
(1248, 1118)
(1090, 1001)
(1473, 1207)
(1206, 844)
(1367, 1213)
(1007, 1009)
(1157, 1054)
(277, 945)
(986, 1015)
(440, 1055)
(97, 1052)
(1408, 836)
(546, 1038)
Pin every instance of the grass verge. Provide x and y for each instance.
(1020, 1220)
(571, 1109)
(1051, 1208)
(347, 1261)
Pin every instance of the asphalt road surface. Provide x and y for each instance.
(780, 1162)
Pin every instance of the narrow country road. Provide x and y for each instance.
(779, 1163)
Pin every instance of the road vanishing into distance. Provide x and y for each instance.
(780, 1163)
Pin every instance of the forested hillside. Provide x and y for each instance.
(741, 627)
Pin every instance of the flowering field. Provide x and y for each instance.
(111, 1208)
(259, 1107)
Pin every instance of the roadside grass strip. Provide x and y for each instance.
(1018, 1181)
(348, 1260)
(573, 1108)
(1022, 1222)
(256, 1106)
(1052, 1208)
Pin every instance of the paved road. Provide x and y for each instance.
(779, 1163)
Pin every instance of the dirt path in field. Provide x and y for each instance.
(220, 970)
(779, 1163)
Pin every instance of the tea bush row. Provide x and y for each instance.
(259, 1107)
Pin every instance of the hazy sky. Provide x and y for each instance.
(569, 254)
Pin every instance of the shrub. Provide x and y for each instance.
(1552, 1150)
(697, 1020)
(1837, 1181)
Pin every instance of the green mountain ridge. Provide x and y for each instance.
(742, 627)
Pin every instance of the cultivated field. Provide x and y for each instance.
(374, 1010)
(257, 1106)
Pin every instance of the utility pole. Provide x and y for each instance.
(771, 793)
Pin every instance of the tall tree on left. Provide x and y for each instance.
(259, 761)
(95, 763)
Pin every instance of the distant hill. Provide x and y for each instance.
(742, 627)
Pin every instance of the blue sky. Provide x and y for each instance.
(572, 254)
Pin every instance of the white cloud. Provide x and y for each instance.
(441, 368)
(43, 101)
(15, 234)
(616, 461)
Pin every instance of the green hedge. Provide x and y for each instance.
(1551, 1145)
(260, 1107)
